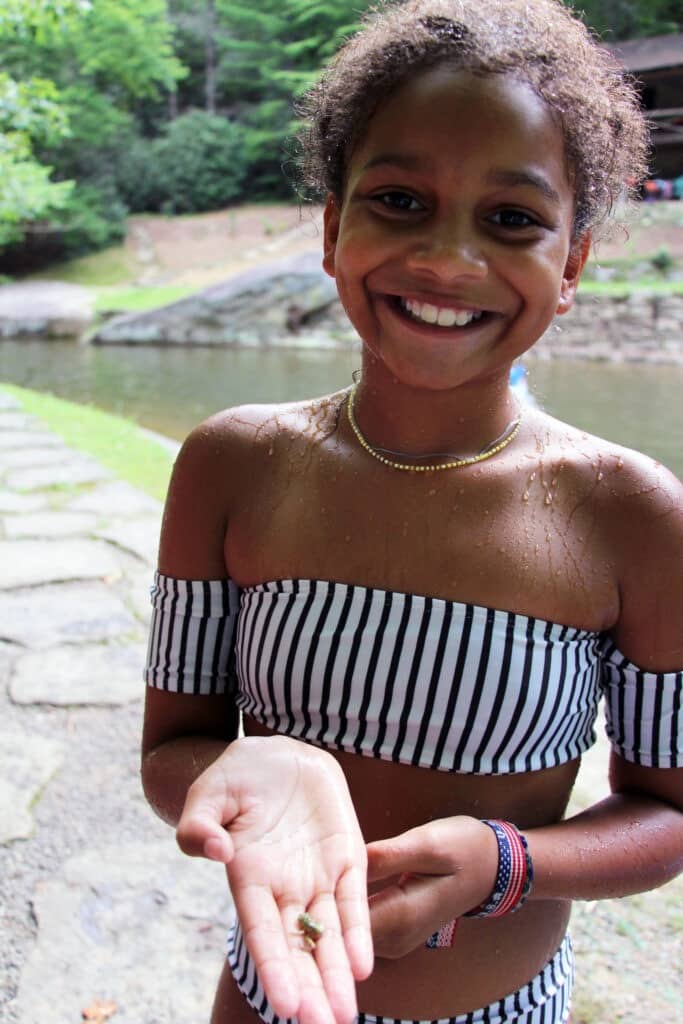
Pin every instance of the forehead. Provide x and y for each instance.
(445, 115)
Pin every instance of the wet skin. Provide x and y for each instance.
(456, 198)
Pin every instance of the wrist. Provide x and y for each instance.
(514, 876)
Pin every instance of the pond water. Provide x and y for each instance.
(170, 390)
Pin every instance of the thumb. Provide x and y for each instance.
(200, 835)
(201, 830)
(405, 855)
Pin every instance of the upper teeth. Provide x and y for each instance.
(438, 315)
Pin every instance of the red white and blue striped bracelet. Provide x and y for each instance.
(512, 886)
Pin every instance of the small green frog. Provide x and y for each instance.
(311, 931)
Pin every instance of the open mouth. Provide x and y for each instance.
(438, 316)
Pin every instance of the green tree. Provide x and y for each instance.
(268, 55)
(625, 19)
(30, 113)
(98, 63)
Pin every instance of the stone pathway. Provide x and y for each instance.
(97, 906)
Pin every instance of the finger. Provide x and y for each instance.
(327, 987)
(409, 853)
(269, 946)
(413, 906)
(354, 918)
(331, 955)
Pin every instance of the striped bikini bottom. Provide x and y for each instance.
(545, 999)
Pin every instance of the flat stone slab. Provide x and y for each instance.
(51, 308)
(19, 458)
(18, 421)
(138, 595)
(10, 501)
(50, 524)
(140, 536)
(137, 924)
(117, 499)
(92, 674)
(8, 401)
(26, 563)
(72, 469)
(41, 617)
(28, 763)
(12, 439)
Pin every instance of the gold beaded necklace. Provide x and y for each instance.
(457, 462)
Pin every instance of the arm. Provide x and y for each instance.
(277, 812)
(630, 842)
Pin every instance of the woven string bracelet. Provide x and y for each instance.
(512, 886)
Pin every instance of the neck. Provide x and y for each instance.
(416, 421)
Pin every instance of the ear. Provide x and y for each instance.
(331, 217)
(576, 261)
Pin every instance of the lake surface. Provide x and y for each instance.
(170, 390)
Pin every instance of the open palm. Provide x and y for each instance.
(279, 814)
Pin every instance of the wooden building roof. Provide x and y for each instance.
(654, 54)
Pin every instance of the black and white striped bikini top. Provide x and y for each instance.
(414, 679)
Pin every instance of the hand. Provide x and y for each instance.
(278, 813)
(437, 872)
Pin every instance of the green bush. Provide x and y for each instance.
(200, 163)
(93, 218)
(137, 176)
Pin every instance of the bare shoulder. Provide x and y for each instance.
(221, 467)
(636, 505)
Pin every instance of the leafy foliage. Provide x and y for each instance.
(625, 19)
(108, 106)
(199, 163)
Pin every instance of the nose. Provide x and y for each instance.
(448, 252)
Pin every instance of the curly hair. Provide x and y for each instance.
(537, 41)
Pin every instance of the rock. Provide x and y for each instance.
(72, 470)
(40, 617)
(137, 924)
(12, 502)
(28, 762)
(139, 536)
(117, 497)
(14, 439)
(26, 563)
(92, 674)
(47, 309)
(50, 524)
(22, 456)
(272, 305)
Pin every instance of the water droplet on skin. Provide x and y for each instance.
(548, 500)
(620, 463)
(525, 496)
(553, 483)
(270, 450)
(431, 493)
(600, 477)
(532, 478)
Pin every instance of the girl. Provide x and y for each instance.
(416, 591)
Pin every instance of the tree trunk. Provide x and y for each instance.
(210, 56)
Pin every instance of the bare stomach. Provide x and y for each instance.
(489, 958)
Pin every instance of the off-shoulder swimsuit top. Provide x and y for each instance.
(409, 678)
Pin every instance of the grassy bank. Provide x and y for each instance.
(118, 444)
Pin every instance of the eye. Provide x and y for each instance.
(512, 219)
(401, 202)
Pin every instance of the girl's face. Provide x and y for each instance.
(452, 246)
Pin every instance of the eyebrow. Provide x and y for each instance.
(498, 176)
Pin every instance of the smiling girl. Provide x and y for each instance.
(416, 591)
